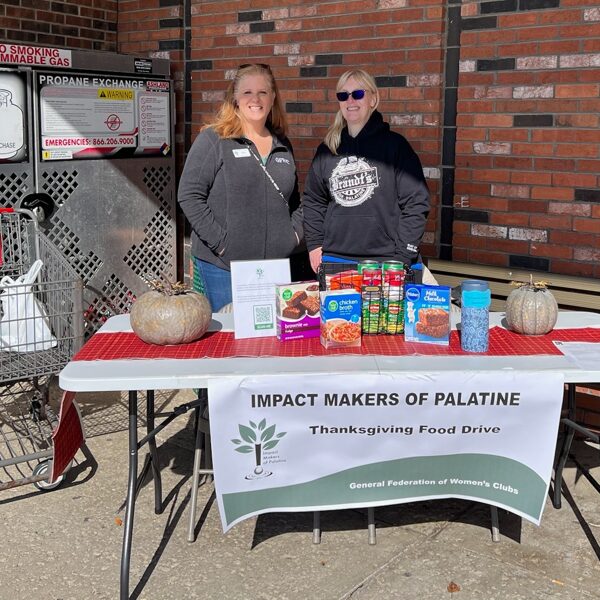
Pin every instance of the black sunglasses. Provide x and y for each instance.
(356, 94)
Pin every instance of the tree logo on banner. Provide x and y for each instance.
(258, 438)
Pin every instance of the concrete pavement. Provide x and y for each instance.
(66, 544)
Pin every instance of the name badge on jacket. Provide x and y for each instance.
(241, 152)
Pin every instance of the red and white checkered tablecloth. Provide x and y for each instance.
(128, 346)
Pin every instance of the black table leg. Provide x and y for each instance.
(131, 493)
(158, 508)
(152, 459)
(566, 446)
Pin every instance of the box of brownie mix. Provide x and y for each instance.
(427, 313)
(297, 310)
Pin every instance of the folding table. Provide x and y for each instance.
(151, 374)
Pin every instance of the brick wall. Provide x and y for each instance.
(522, 171)
(308, 45)
(509, 142)
(312, 43)
(528, 138)
(89, 25)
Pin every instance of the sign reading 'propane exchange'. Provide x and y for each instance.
(316, 442)
(85, 116)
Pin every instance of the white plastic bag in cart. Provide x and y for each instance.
(24, 324)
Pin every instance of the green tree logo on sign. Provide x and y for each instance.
(258, 438)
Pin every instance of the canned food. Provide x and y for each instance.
(370, 271)
(367, 264)
(372, 303)
(393, 272)
(393, 297)
(394, 317)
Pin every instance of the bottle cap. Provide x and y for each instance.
(474, 285)
(475, 293)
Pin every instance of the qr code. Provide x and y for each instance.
(263, 317)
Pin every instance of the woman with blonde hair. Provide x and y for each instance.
(239, 188)
(365, 195)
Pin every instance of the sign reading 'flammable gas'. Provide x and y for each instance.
(17, 54)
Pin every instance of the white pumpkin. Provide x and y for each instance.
(531, 309)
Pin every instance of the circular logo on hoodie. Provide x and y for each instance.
(353, 181)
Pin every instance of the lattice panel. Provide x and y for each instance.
(157, 180)
(153, 256)
(13, 187)
(17, 253)
(115, 298)
(60, 185)
(67, 242)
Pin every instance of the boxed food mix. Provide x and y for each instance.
(427, 313)
(297, 310)
(340, 318)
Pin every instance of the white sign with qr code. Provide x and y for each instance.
(253, 290)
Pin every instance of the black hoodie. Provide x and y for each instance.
(368, 201)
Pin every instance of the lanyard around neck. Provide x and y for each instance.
(268, 175)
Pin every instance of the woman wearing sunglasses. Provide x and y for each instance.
(239, 188)
(365, 195)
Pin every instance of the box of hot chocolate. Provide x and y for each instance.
(297, 310)
(427, 313)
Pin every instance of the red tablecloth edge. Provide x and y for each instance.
(127, 346)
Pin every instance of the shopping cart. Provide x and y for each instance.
(41, 327)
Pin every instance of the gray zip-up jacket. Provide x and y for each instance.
(235, 211)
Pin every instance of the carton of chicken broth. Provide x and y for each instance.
(340, 318)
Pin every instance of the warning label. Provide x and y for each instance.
(57, 154)
(112, 94)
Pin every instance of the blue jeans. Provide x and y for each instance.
(216, 283)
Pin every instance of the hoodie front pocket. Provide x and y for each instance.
(356, 235)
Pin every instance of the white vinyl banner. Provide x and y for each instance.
(317, 442)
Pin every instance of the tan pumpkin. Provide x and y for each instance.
(164, 316)
(531, 309)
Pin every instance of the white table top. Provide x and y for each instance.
(143, 374)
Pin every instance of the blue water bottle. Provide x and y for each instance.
(475, 315)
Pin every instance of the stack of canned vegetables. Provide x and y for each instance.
(381, 286)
